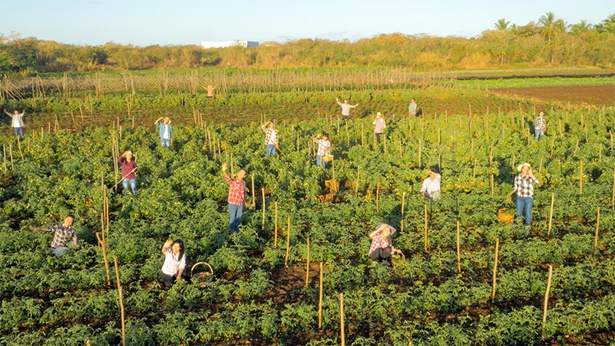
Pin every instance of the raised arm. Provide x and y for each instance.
(224, 167)
(167, 245)
(158, 120)
(32, 228)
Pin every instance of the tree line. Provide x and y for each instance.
(548, 42)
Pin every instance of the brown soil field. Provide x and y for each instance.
(594, 95)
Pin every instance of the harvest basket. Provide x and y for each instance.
(204, 276)
(327, 158)
(504, 217)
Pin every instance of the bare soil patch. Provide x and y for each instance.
(592, 95)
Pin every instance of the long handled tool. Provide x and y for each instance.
(121, 180)
(278, 147)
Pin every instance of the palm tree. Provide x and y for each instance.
(551, 27)
(607, 25)
(581, 27)
(502, 24)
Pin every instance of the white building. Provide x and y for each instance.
(223, 44)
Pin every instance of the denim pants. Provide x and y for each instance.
(320, 162)
(270, 150)
(59, 251)
(130, 184)
(538, 133)
(525, 204)
(18, 131)
(166, 143)
(235, 216)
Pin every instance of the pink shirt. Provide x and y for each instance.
(379, 242)
(379, 124)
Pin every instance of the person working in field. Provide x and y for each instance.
(129, 167)
(382, 248)
(165, 130)
(62, 235)
(236, 196)
(345, 108)
(17, 122)
(540, 126)
(379, 126)
(324, 148)
(174, 262)
(524, 187)
(412, 108)
(431, 184)
(271, 137)
(210, 90)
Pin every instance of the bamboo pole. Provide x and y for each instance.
(342, 334)
(403, 201)
(356, 188)
(307, 262)
(253, 193)
(320, 296)
(19, 148)
(275, 224)
(613, 193)
(495, 268)
(597, 228)
(551, 214)
(119, 293)
(287, 241)
(5, 169)
(263, 222)
(546, 302)
(11, 156)
(458, 250)
(580, 177)
(104, 251)
(377, 197)
(425, 228)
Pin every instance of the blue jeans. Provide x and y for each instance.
(130, 184)
(59, 251)
(320, 162)
(235, 216)
(538, 133)
(166, 143)
(18, 131)
(525, 204)
(270, 150)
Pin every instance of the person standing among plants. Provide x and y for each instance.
(524, 187)
(324, 147)
(379, 126)
(236, 196)
(345, 108)
(17, 122)
(271, 137)
(62, 234)
(174, 262)
(540, 126)
(431, 184)
(412, 107)
(210, 90)
(129, 166)
(165, 130)
(382, 248)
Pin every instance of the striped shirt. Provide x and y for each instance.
(540, 123)
(271, 136)
(172, 263)
(380, 242)
(524, 186)
(62, 235)
(323, 147)
(236, 191)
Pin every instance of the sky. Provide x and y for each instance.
(181, 22)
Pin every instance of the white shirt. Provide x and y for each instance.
(165, 134)
(431, 186)
(172, 264)
(273, 137)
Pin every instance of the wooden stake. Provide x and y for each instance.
(425, 228)
(307, 262)
(253, 194)
(458, 250)
(495, 268)
(546, 302)
(597, 228)
(403, 201)
(551, 214)
(320, 296)
(104, 251)
(275, 224)
(287, 241)
(356, 188)
(342, 335)
(119, 293)
(580, 177)
(263, 223)
(377, 197)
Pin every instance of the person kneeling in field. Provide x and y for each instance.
(62, 234)
(382, 245)
(174, 262)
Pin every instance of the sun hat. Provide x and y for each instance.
(378, 113)
(520, 167)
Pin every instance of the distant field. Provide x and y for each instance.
(597, 95)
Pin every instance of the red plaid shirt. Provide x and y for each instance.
(236, 191)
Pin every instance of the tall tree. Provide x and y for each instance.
(581, 27)
(502, 24)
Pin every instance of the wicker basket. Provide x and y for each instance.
(507, 219)
(202, 277)
(327, 158)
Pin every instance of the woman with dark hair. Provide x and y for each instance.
(174, 262)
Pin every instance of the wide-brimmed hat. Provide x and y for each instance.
(377, 114)
(520, 167)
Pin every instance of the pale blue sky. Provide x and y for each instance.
(178, 22)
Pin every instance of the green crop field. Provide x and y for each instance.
(299, 266)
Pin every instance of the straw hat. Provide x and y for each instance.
(378, 114)
(520, 167)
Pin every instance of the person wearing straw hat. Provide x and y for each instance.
(129, 166)
(524, 188)
(271, 137)
(381, 247)
(165, 130)
(431, 184)
(236, 196)
(174, 262)
(379, 126)
(540, 126)
(324, 147)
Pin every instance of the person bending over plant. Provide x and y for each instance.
(524, 187)
(382, 246)
(165, 130)
(236, 196)
(62, 234)
(129, 166)
(174, 262)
